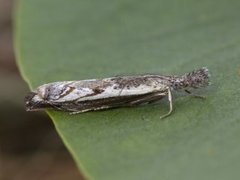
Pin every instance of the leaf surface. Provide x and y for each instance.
(72, 40)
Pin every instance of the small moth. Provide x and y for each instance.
(95, 94)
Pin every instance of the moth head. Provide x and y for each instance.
(38, 99)
(32, 101)
(45, 96)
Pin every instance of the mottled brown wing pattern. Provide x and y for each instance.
(113, 102)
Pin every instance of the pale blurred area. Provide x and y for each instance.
(29, 145)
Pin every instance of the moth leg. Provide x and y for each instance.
(194, 95)
(170, 104)
(82, 111)
(86, 110)
(101, 108)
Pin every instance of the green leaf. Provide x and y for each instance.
(73, 40)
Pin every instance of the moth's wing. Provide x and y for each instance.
(149, 99)
(111, 102)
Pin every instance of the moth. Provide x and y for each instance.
(96, 94)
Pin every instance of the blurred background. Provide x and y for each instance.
(29, 145)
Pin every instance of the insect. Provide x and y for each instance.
(96, 94)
